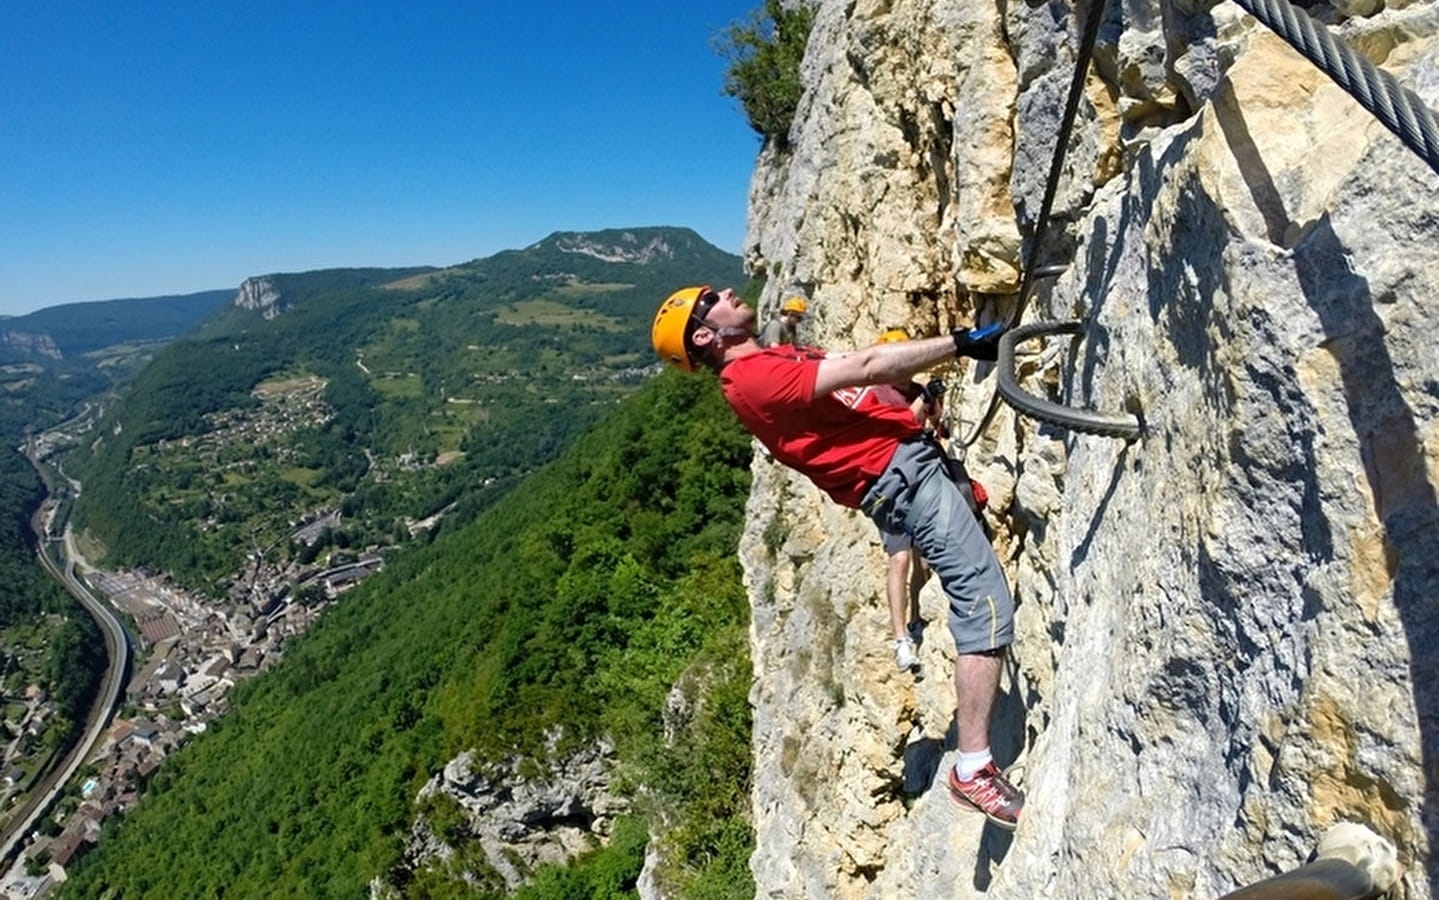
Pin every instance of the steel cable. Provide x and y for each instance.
(1061, 145)
(1376, 90)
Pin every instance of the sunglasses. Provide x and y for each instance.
(704, 303)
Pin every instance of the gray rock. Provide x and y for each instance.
(1226, 638)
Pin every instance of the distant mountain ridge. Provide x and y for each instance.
(72, 329)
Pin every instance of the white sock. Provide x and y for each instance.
(967, 764)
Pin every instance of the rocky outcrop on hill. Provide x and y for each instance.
(626, 247)
(1227, 637)
(42, 344)
(260, 295)
(517, 819)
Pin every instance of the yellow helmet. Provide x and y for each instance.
(795, 305)
(893, 335)
(670, 333)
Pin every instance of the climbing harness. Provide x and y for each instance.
(1376, 90)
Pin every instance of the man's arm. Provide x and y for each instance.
(881, 364)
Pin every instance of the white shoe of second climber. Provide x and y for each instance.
(904, 655)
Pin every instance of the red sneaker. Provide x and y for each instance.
(990, 793)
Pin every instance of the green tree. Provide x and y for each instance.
(764, 54)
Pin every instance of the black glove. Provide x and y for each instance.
(979, 343)
(933, 390)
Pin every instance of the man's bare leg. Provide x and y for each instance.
(895, 582)
(918, 575)
(975, 781)
(976, 686)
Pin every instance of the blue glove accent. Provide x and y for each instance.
(980, 343)
(985, 333)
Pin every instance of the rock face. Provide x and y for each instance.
(42, 344)
(259, 295)
(521, 822)
(625, 246)
(1227, 636)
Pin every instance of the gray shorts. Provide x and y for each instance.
(895, 541)
(915, 497)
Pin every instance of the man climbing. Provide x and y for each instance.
(835, 420)
(785, 329)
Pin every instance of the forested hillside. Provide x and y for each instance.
(74, 329)
(392, 396)
(566, 612)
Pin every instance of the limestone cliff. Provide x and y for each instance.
(259, 294)
(1227, 635)
(42, 344)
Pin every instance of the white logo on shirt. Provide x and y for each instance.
(851, 396)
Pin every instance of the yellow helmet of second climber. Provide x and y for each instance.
(674, 323)
(795, 305)
(892, 336)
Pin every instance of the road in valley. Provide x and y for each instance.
(117, 651)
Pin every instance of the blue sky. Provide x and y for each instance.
(152, 148)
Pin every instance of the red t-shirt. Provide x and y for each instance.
(841, 442)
